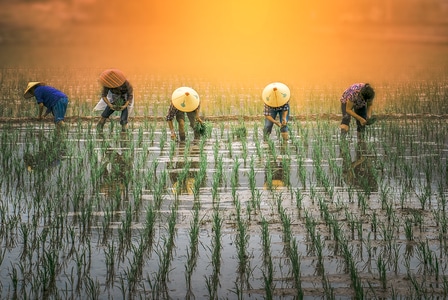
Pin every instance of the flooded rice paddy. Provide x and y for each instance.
(231, 216)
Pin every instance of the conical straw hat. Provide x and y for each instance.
(185, 99)
(31, 84)
(276, 94)
(112, 78)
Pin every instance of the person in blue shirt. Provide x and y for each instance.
(54, 100)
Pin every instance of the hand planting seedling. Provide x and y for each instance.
(118, 104)
(371, 120)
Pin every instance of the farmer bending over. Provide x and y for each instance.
(356, 102)
(184, 100)
(115, 84)
(276, 102)
(54, 100)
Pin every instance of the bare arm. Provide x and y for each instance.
(171, 126)
(369, 109)
(41, 110)
(107, 102)
(351, 112)
(197, 117)
(104, 97)
(284, 114)
(270, 118)
(130, 96)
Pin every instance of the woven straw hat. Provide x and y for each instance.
(185, 99)
(31, 84)
(276, 94)
(112, 78)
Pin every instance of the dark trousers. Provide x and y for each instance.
(123, 118)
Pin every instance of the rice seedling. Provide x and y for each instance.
(213, 281)
(299, 199)
(408, 229)
(192, 253)
(381, 265)
(241, 242)
(295, 262)
(240, 131)
(204, 129)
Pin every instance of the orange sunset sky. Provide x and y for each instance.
(264, 39)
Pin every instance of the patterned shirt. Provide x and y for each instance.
(353, 94)
(172, 112)
(123, 92)
(268, 109)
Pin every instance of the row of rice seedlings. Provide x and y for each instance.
(255, 201)
(192, 251)
(268, 268)
(291, 248)
(213, 281)
(241, 243)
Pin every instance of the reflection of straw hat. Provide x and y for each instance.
(188, 186)
(112, 78)
(276, 94)
(31, 84)
(185, 99)
(276, 183)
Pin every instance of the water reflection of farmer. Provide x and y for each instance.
(274, 175)
(360, 172)
(48, 155)
(116, 170)
(184, 170)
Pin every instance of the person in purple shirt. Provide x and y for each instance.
(54, 100)
(356, 102)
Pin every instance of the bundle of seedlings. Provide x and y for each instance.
(240, 131)
(204, 128)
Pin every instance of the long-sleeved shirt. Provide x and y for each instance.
(48, 95)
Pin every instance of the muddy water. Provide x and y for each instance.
(108, 215)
